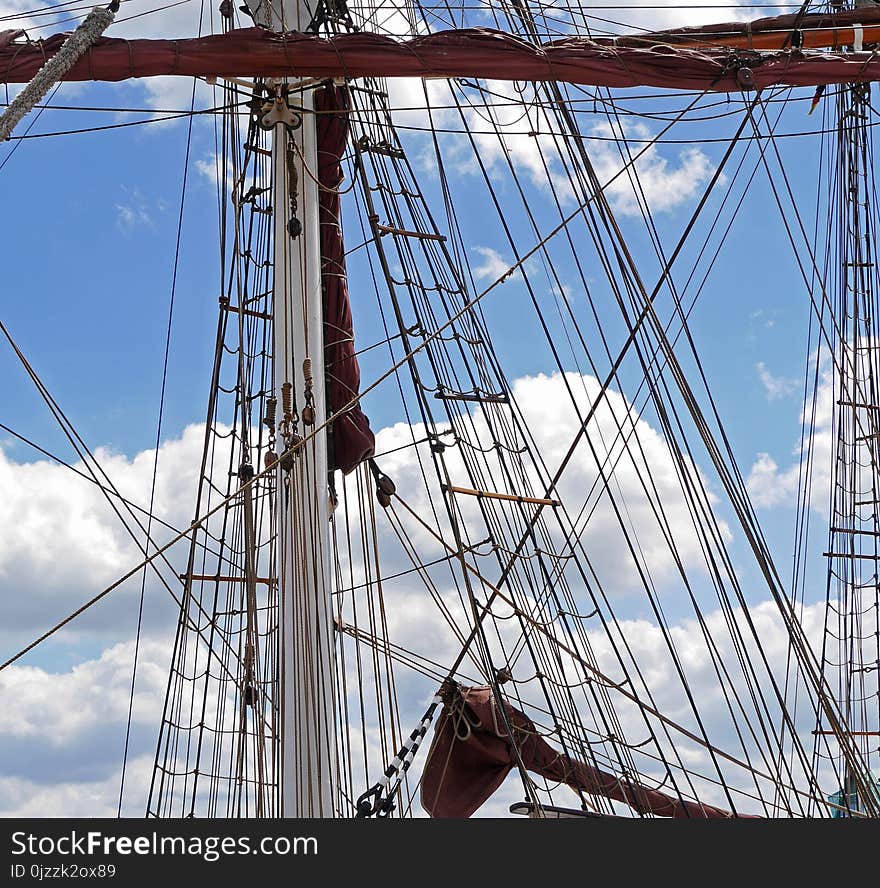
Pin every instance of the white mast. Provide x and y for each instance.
(308, 734)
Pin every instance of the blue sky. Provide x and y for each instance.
(90, 259)
(89, 255)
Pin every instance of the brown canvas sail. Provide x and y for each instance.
(353, 440)
(472, 754)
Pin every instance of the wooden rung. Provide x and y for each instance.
(382, 148)
(851, 733)
(860, 406)
(248, 311)
(466, 396)
(268, 581)
(355, 87)
(403, 232)
(538, 501)
(851, 555)
(256, 149)
(872, 533)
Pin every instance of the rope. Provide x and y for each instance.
(94, 25)
(378, 799)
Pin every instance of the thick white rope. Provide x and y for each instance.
(92, 27)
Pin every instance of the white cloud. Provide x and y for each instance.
(61, 740)
(775, 387)
(15, 15)
(553, 421)
(62, 543)
(492, 264)
(62, 733)
(649, 15)
(662, 184)
(510, 128)
(62, 709)
(769, 485)
(59, 527)
(135, 211)
(21, 797)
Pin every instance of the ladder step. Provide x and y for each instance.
(487, 398)
(860, 406)
(268, 581)
(404, 232)
(872, 533)
(247, 311)
(851, 555)
(852, 733)
(256, 149)
(383, 148)
(511, 497)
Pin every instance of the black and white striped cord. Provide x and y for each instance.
(73, 48)
(379, 799)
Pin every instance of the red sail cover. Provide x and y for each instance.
(461, 774)
(825, 24)
(353, 440)
(470, 53)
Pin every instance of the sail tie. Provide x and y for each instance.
(92, 27)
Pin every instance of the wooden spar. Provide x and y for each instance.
(512, 497)
(842, 27)
(818, 38)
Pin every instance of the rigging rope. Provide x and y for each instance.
(53, 71)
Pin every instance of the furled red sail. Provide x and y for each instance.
(469, 53)
(839, 27)
(352, 439)
(472, 754)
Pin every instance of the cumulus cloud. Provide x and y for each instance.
(553, 421)
(491, 266)
(62, 733)
(69, 797)
(775, 387)
(57, 527)
(62, 543)
(769, 484)
(61, 727)
(62, 741)
(660, 183)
